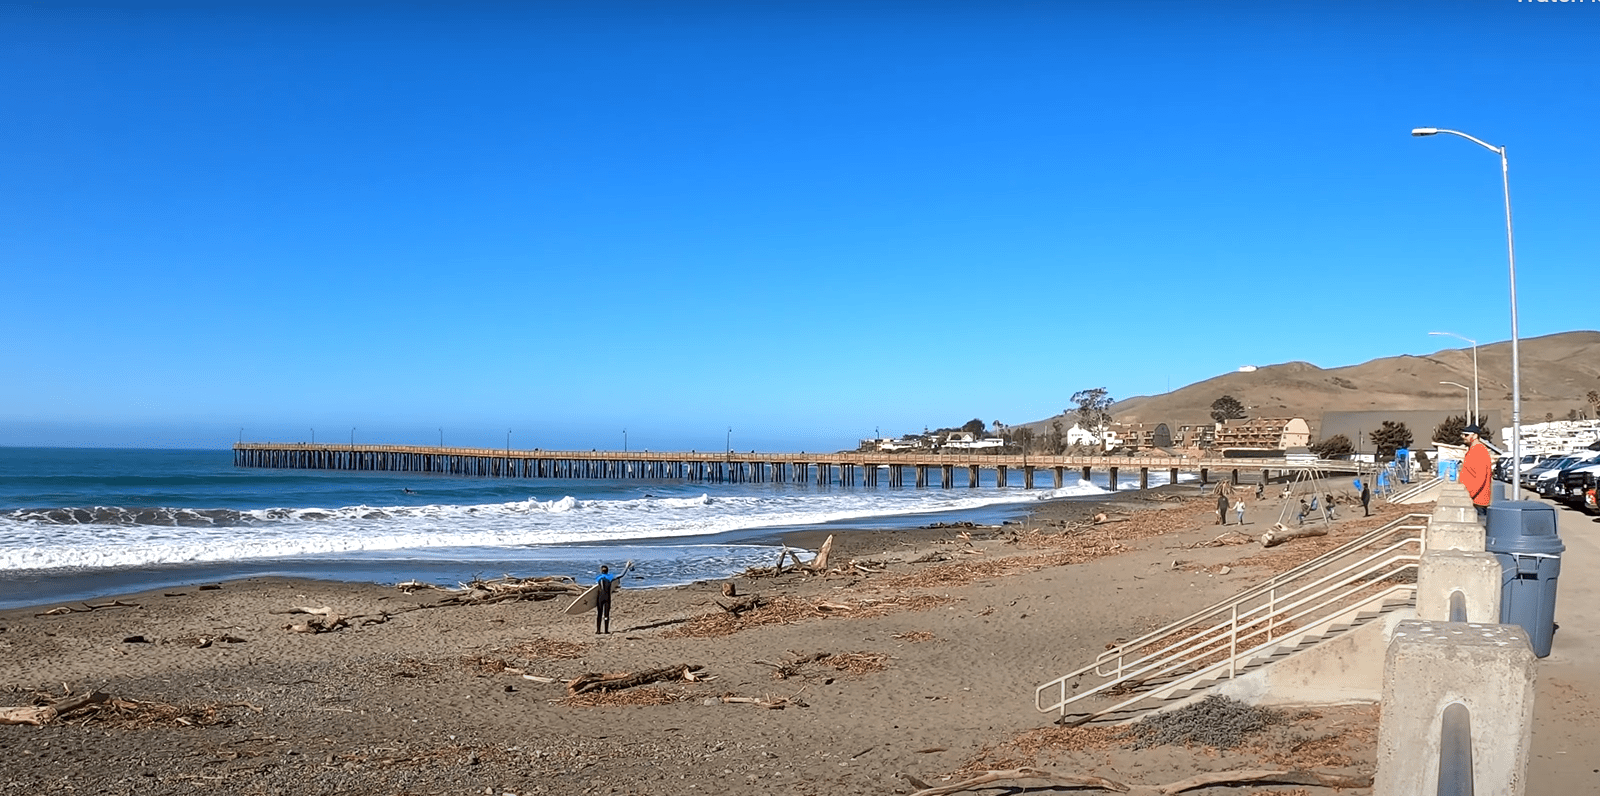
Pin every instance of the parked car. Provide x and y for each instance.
(1550, 482)
(1573, 481)
(1553, 463)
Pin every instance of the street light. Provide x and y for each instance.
(1475, 410)
(352, 437)
(1511, 257)
(624, 440)
(441, 437)
(1469, 392)
(728, 449)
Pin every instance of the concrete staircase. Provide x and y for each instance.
(1262, 643)
(1249, 680)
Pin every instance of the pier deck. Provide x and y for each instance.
(843, 468)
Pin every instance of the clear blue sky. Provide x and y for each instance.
(804, 221)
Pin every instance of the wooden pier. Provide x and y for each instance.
(823, 469)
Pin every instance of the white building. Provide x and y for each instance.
(966, 440)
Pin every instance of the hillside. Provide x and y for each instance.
(1558, 372)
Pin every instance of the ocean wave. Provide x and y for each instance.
(123, 537)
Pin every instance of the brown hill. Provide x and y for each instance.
(1559, 373)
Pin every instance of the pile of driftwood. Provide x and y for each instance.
(850, 662)
(501, 589)
(815, 566)
(327, 620)
(97, 706)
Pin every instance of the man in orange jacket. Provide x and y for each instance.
(1475, 471)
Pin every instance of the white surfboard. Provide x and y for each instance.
(586, 601)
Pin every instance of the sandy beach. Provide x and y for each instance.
(910, 664)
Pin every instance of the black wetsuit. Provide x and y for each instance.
(602, 603)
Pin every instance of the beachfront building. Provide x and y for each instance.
(1197, 436)
(1263, 433)
(1144, 436)
(910, 442)
(1082, 437)
(966, 440)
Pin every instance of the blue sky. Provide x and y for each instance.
(803, 221)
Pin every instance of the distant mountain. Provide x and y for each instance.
(1558, 373)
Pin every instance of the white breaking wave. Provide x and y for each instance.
(309, 531)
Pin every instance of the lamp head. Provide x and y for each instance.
(1422, 131)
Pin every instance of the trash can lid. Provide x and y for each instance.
(1522, 526)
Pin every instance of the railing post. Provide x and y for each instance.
(1233, 642)
(1488, 670)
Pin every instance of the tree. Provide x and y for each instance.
(1449, 429)
(1390, 437)
(1056, 438)
(1094, 410)
(975, 427)
(1023, 437)
(1333, 447)
(1227, 408)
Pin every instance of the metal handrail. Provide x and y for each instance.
(1455, 751)
(1174, 655)
(1275, 603)
(1185, 650)
(1231, 661)
(1269, 584)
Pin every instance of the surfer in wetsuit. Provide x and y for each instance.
(602, 599)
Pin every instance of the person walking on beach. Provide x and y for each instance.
(1222, 509)
(1261, 490)
(1238, 510)
(1475, 467)
(1366, 500)
(602, 598)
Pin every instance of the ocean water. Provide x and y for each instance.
(81, 523)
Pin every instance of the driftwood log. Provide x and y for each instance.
(1281, 533)
(617, 681)
(820, 563)
(87, 607)
(39, 715)
(1258, 776)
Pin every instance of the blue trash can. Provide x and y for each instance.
(1522, 535)
(1448, 470)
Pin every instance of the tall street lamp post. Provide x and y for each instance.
(1469, 392)
(1475, 410)
(1511, 256)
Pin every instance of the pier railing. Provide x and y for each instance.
(847, 467)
